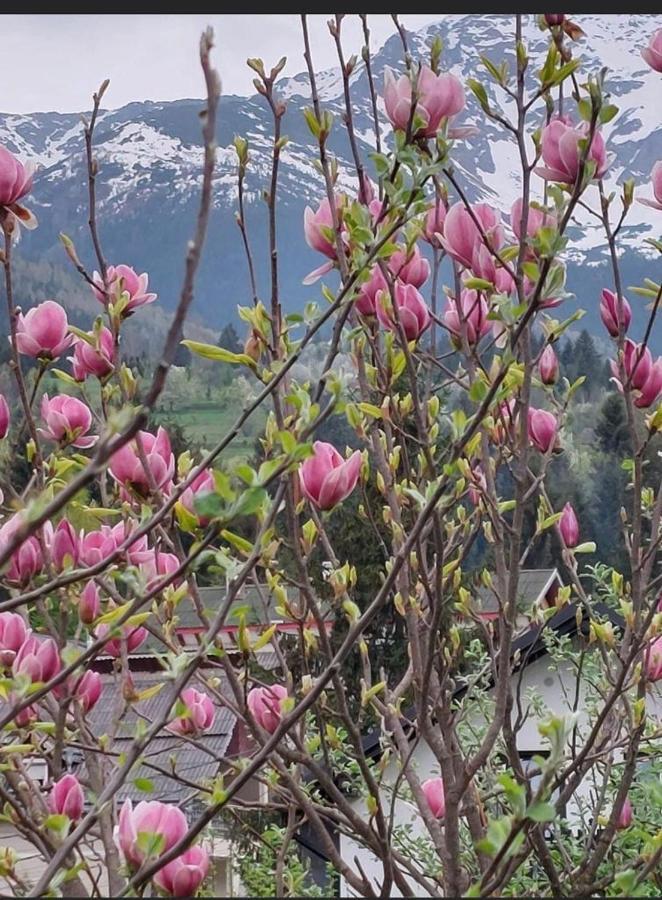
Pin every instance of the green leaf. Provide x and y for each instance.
(83, 335)
(264, 638)
(150, 844)
(479, 92)
(113, 615)
(185, 519)
(477, 391)
(370, 410)
(57, 822)
(144, 784)
(64, 376)
(607, 113)
(541, 812)
(586, 547)
(210, 506)
(239, 543)
(549, 521)
(547, 70)
(137, 620)
(564, 72)
(478, 284)
(219, 354)
(249, 502)
(492, 69)
(16, 748)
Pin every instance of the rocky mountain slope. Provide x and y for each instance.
(150, 163)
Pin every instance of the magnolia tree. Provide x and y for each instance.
(458, 409)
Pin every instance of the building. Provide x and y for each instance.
(173, 768)
(534, 670)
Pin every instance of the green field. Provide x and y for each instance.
(206, 423)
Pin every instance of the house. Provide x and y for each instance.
(534, 671)
(173, 768)
(255, 605)
(537, 588)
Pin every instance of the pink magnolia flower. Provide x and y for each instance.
(505, 422)
(315, 223)
(89, 605)
(123, 280)
(609, 312)
(653, 53)
(199, 714)
(653, 660)
(98, 361)
(652, 388)
(62, 543)
(569, 526)
(637, 363)
(27, 560)
(433, 224)
(15, 178)
(561, 152)
(26, 717)
(543, 429)
(184, 874)
(469, 315)
(438, 97)
(133, 637)
(37, 657)
(644, 376)
(366, 297)
(163, 820)
(155, 565)
(624, 819)
(367, 192)
(433, 789)
(546, 299)
(412, 268)
(656, 181)
(326, 478)
(13, 634)
(126, 466)
(266, 706)
(537, 218)
(96, 546)
(462, 237)
(484, 265)
(500, 333)
(67, 421)
(87, 690)
(4, 417)
(548, 366)
(67, 798)
(202, 484)
(43, 331)
(413, 313)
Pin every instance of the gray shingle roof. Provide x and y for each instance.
(532, 584)
(258, 606)
(175, 755)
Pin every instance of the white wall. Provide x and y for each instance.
(556, 685)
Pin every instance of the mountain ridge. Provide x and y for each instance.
(150, 157)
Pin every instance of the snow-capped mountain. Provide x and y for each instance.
(150, 164)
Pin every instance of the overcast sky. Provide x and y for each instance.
(54, 62)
